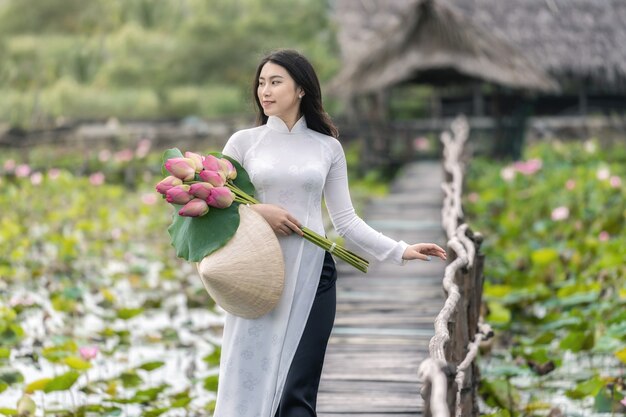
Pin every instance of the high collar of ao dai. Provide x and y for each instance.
(276, 123)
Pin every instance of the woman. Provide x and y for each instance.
(271, 366)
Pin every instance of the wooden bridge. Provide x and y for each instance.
(397, 326)
(385, 318)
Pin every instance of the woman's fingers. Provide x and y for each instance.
(424, 251)
(434, 250)
(279, 219)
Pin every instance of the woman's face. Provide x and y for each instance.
(278, 93)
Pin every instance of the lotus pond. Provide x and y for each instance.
(555, 279)
(97, 316)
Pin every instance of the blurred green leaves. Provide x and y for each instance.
(147, 58)
(555, 278)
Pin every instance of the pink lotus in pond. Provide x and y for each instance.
(560, 213)
(97, 178)
(528, 167)
(88, 352)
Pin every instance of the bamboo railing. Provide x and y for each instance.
(450, 375)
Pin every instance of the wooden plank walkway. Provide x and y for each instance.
(385, 318)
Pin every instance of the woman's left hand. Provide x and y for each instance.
(424, 251)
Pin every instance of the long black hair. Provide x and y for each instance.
(302, 72)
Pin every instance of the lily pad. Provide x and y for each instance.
(62, 382)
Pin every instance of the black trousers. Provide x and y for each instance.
(300, 392)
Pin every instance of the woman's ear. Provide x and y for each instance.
(300, 92)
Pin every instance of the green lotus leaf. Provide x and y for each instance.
(131, 380)
(5, 353)
(37, 385)
(150, 366)
(589, 387)
(62, 382)
(545, 256)
(77, 363)
(11, 376)
(150, 394)
(128, 313)
(213, 359)
(210, 383)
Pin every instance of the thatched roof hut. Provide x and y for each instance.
(523, 44)
(578, 42)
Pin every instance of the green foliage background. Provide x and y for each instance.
(147, 58)
(555, 286)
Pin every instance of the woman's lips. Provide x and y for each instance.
(266, 103)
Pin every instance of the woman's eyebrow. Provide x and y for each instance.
(273, 76)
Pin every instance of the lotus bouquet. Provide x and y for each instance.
(204, 188)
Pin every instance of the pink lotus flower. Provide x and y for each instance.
(615, 181)
(211, 163)
(124, 155)
(201, 190)
(22, 170)
(88, 352)
(215, 178)
(528, 167)
(183, 168)
(473, 197)
(167, 183)
(560, 213)
(178, 195)
(97, 178)
(603, 236)
(570, 184)
(228, 169)
(197, 160)
(194, 208)
(36, 178)
(220, 197)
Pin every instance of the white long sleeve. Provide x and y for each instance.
(347, 223)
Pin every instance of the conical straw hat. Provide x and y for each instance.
(246, 276)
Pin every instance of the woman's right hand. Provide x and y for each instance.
(279, 219)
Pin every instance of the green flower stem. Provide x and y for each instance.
(342, 253)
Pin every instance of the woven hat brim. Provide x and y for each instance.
(246, 277)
